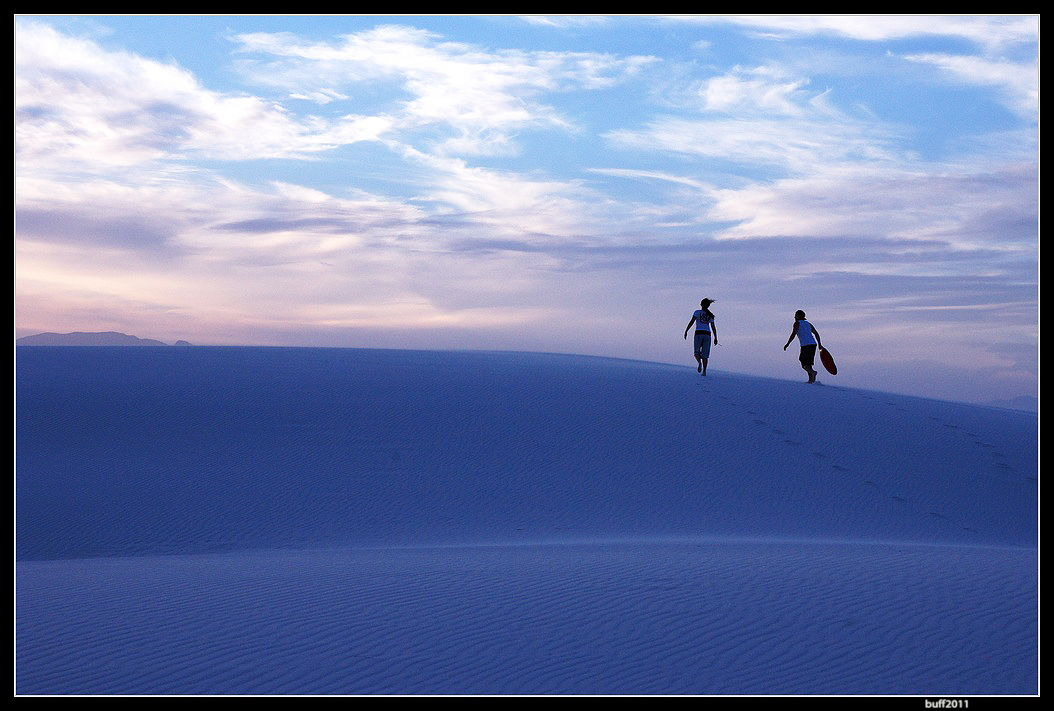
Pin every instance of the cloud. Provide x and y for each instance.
(989, 31)
(745, 144)
(161, 120)
(1007, 55)
(566, 21)
(905, 204)
(1018, 82)
(762, 120)
(476, 100)
(763, 89)
(56, 224)
(80, 105)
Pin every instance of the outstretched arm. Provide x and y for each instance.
(794, 332)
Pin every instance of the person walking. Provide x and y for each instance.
(704, 328)
(809, 338)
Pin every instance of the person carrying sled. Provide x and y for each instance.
(809, 338)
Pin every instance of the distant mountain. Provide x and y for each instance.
(85, 338)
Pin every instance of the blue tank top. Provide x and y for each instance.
(805, 336)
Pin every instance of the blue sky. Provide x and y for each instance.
(561, 183)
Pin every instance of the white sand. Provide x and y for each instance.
(326, 521)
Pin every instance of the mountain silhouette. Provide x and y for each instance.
(90, 338)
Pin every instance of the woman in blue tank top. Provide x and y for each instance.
(809, 338)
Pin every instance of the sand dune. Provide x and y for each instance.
(338, 521)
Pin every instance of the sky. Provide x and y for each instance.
(571, 184)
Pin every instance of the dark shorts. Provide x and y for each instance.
(808, 356)
(702, 344)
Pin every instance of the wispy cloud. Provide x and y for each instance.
(79, 104)
(989, 31)
(477, 99)
(1017, 82)
(563, 21)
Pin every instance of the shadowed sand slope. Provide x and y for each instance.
(138, 452)
(254, 520)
